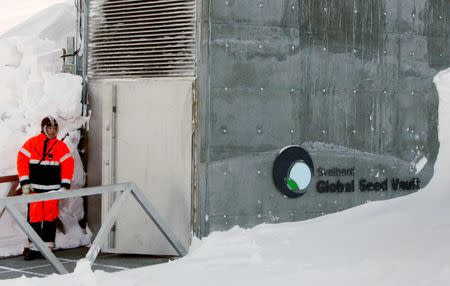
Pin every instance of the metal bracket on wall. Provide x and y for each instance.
(123, 190)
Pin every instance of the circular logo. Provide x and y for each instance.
(292, 171)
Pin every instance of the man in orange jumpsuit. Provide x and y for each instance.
(44, 164)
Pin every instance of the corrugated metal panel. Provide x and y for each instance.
(142, 38)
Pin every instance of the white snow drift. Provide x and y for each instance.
(31, 87)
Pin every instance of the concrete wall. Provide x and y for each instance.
(349, 80)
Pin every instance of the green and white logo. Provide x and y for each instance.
(293, 171)
(299, 177)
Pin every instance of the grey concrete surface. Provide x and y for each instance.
(350, 81)
(14, 267)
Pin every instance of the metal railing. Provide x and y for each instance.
(14, 180)
(10, 179)
(9, 204)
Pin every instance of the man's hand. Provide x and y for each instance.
(26, 189)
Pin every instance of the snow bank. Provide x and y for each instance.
(16, 12)
(442, 169)
(31, 88)
(54, 23)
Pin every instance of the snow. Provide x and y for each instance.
(421, 164)
(20, 11)
(32, 87)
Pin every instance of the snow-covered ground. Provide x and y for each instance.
(32, 87)
(398, 242)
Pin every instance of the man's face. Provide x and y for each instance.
(52, 131)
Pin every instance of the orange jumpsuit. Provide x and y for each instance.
(47, 165)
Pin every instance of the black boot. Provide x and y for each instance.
(26, 251)
(32, 255)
